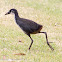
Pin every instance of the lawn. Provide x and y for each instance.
(45, 12)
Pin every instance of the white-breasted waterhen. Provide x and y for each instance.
(28, 26)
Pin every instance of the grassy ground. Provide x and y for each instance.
(45, 12)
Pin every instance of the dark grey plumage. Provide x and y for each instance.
(28, 26)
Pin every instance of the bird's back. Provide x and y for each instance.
(28, 26)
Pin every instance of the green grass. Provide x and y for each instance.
(45, 12)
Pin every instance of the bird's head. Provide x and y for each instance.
(14, 11)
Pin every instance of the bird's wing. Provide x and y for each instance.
(28, 26)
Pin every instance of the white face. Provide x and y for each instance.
(12, 12)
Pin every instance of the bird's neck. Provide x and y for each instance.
(16, 16)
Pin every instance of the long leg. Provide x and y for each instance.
(47, 40)
(31, 42)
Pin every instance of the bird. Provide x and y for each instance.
(28, 26)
